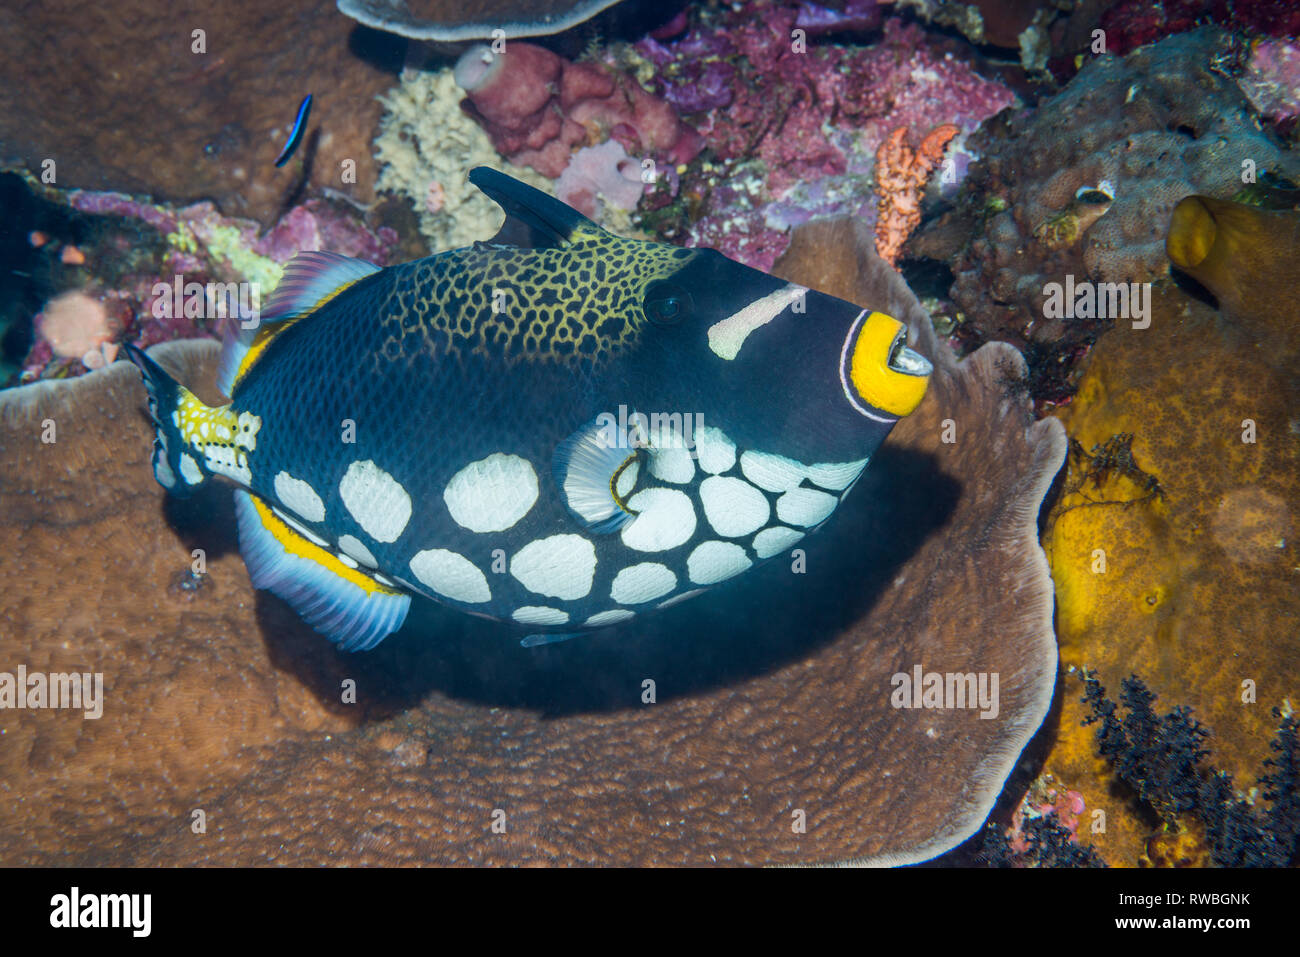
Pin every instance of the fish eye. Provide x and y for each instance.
(666, 304)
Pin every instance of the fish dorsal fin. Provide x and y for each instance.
(533, 219)
(310, 280)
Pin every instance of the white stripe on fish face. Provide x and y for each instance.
(451, 575)
(299, 497)
(560, 566)
(492, 494)
(641, 583)
(733, 507)
(378, 502)
(727, 336)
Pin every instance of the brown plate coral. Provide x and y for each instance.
(755, 728)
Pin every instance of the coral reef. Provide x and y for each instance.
(1173, 539)
(220, 699)
(1272, 80)
(600, 175)
(1125, 123)
(458, 20)
(1159, 758)
(1245, 257)
(794, 127)
(1132, 23)
(901, 175)
(538, 107)
(426, 147)
(138, 252)
(220, 84)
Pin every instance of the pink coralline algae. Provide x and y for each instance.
(1133, 23)
(1272, 79)
(813, 114)
(538, 108)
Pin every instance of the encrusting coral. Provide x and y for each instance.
(704, 735)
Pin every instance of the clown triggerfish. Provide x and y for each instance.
(558, 428)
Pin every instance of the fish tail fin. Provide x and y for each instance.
(180, 462)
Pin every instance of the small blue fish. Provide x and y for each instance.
(558, 428)
(299, 128)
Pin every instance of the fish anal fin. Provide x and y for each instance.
(346, 605)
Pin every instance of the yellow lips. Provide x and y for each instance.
(879, 384)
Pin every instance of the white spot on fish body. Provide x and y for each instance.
(776, 473)
(612, 617)
(560, 566)
(678, 599)
(376, 500)
(492, 494)
(805, 506)
(352, 546)
(641, 583)
(299, 527)
(733, 507)
(716, 452)
(190, 470)
(836, 476)
(774, 540)
(540, 615)
(666, 519)
(299, 497)
(712, 562)
(451, 575)
(672, 465)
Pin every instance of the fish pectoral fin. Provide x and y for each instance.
(543, 638)
(344, 604)
(533, 219)
(596, 469)
(310, 280)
